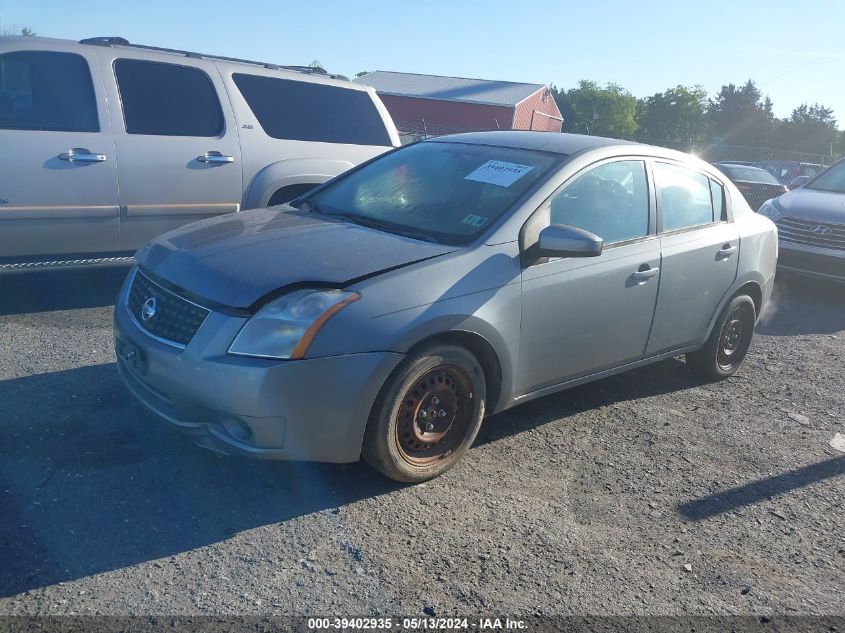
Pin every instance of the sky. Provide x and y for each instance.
(794, 51)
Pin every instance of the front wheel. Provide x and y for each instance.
(728, 343)
(427, 415)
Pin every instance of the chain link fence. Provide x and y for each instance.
(784, 165)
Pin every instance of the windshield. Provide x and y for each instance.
(444, 192)
(833, 179)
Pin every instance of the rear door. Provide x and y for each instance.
(700, 249)
(176, 139)
(58, 174)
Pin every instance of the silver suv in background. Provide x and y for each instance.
(108, 144)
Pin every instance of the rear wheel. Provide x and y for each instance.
(728, 343)
(427, 415)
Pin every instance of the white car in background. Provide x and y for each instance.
(107, 144)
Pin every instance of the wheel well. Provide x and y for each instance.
(478, 346)
(288, 193)
(753, 290)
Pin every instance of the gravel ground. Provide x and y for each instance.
(646, 493)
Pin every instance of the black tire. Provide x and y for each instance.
(728, 343)
(427, 414)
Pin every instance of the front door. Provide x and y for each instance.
(177, 141)
(58, 173)
(700, 248)
(583, 315)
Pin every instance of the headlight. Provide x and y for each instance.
(770, 210)
(285, 327)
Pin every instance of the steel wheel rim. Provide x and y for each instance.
(732, 339)
(434, 415)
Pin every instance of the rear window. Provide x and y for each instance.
(748, 174)
(303, 111)
(167, 99)
(42, 90)
(685, 196)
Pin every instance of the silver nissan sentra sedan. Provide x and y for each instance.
(386, 313)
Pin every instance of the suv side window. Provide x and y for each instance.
(307, 111)
(610, 200)
(47, 91)
(685, 196)
(167, 99)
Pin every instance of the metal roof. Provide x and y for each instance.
(500, 93)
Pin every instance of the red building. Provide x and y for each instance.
(430, 104)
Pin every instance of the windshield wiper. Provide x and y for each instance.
(418, 236)
(313, 204)
(379, 225)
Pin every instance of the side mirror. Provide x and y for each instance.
(562, 240)
(800, 181)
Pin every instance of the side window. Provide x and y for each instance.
(308, 111)
(717, 192)
(167, 99)
(42, 90)
(610, 200)
(685, 197)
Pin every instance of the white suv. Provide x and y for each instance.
(106, 144)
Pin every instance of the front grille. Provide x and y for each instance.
(808, 233)
(174, 319)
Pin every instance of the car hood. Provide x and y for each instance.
(235, 260)
(809, 204)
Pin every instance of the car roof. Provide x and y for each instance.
(302, 73)
(539, 141)
(744, 166)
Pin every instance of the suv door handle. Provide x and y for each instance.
(726, 251)
(81, 155)
(644, 274)
(216, 158)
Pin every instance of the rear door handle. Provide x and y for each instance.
(726, 251)
(82, 155)
(216, 158)
(644, 274)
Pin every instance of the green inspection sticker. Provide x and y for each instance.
(475, 220)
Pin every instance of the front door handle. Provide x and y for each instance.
(216, 158)
(726, 251)
(644, 274)
(82, 155)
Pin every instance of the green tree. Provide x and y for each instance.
(739, 115)
(362, 73)
(810, 128)
(591, 109)
(14, 30)
(316, 65)
(678, 114)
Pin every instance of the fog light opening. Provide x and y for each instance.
(237, 429)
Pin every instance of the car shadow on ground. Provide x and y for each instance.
(760, 490)
(43, 291)
(91, 482)
(668, 376)
(802, 305)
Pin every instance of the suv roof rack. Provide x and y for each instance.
(122, 41)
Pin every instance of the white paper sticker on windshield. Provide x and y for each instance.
(475, 220)
(497, 172)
